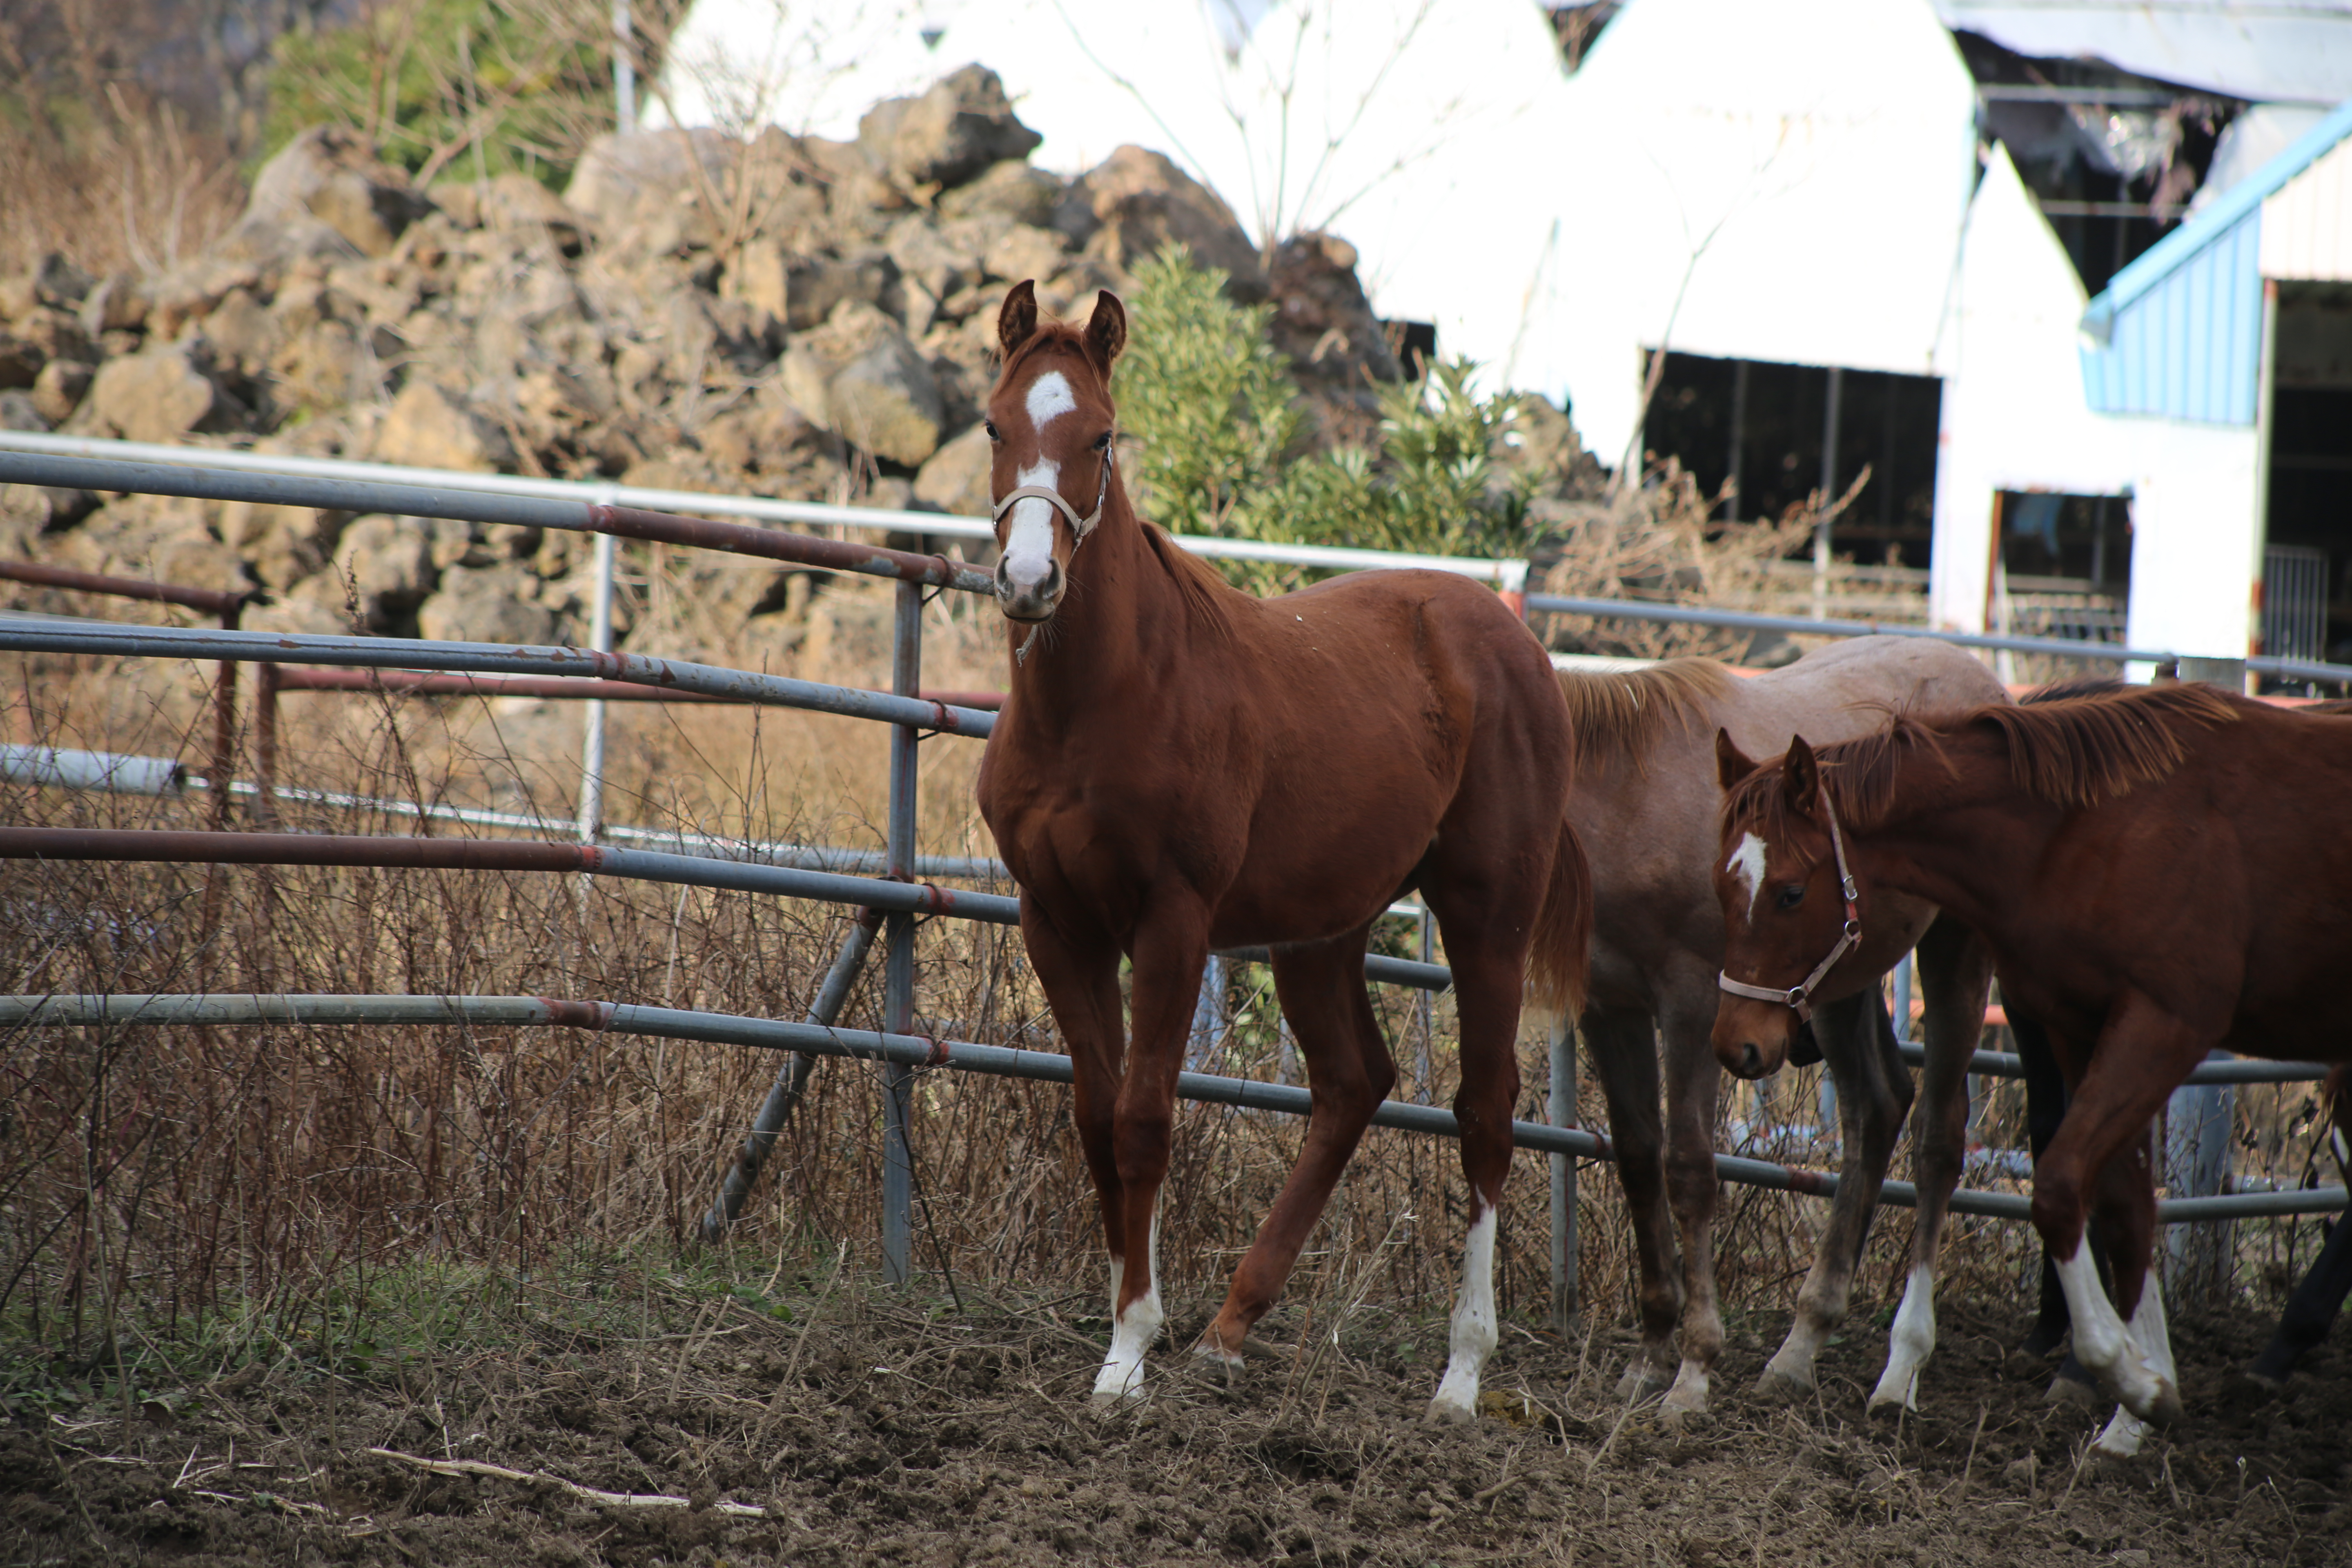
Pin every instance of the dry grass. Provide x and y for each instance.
(160, 1175)
(133, 191)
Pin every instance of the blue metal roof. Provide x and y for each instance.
(2178, 334)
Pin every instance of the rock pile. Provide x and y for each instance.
(788, 316)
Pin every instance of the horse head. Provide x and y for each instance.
(1789, 910)
(1050, 421)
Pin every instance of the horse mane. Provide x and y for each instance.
(2077, 752)
(1624, 714)
(1198, 583)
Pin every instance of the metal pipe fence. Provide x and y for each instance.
(912, 1052)
(2224, 1069)
(333, 485)
(2065, 648)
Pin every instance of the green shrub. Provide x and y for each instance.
(1211, 398)
(519, 85)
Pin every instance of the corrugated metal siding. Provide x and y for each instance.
(2190, 346)
(2307, 224)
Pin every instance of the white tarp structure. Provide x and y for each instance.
(2014, 415)
(1783, 183)
(2265, 52)
(1412, 127)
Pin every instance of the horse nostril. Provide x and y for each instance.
(1004, 580)
(1054, 580)
(1751, 1060)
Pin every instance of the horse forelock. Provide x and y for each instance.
(1626, 712)
(1857, 775)
(1051, 337)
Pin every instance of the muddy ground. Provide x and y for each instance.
(876, 1428)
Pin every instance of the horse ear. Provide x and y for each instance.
(1800, 775)
(1016, 319)
(1731, 763)
(1105, 332)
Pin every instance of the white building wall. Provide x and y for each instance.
(2014, 417)
(2194, 537)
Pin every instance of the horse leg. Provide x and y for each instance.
(1956, 973)
(1623, 1055)
(1170, 950)
(1486, 985)
(2045, 1107)
(1348, 1073)
(2141, 1053)
(2311, 1310)
(1081, 983)
(1874, 1091)
(1693, 1081)
(2123, 1231)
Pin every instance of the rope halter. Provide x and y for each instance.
(1799, 996)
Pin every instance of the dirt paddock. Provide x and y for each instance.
(844, 1423)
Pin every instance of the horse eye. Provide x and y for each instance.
(1102, 442)
(989, 424)
(1791, 895)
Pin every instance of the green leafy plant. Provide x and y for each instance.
(1210, 399)
(490, 86)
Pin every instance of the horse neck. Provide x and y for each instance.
(1962, 837)
(1123, 623)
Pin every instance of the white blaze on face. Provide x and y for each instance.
(1747, 863)
(1029, 543)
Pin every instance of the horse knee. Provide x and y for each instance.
(2058, 1212)
(1143, 1141)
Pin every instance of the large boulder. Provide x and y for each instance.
(1324, 322)
(431, 428)
(1143, 202)
(160, 394)
(486, 603)
(860, 377)
(644, 188)
(953, 131)
(325, 176)
(386, 565)
(957, 478)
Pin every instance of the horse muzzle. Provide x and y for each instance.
(1028, 598)
(1748, 1047)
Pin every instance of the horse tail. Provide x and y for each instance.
(1562, 950)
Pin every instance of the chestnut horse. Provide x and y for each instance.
(2158, 874)
(1644, 804)
(1178, 766)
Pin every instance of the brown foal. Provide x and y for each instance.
(2158, 873)
(1644, 806)
(1179, 767)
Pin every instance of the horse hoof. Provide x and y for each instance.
(1445, 1412)
(2165, 1409)
(1643, 1380)
(1894, 1402)
(1780, 1387)
(2068, 1393)
(1216, 1358)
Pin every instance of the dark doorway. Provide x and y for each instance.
(2066, 565)
(2307, 580)
(1886, 423)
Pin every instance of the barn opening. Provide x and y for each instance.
(2065, 566)
(2307, 559)
(1786, 430)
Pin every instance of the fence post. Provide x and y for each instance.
(1209, 1023)
(2198, 1122)
(265, 744)
(898, 967)
(1562, 1112)
(592, 747)
(1425, 1012)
